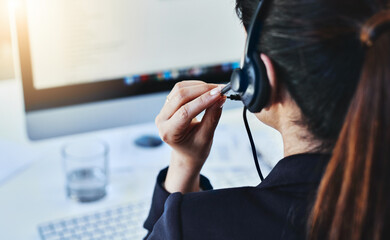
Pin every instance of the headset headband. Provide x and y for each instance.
(255, 29)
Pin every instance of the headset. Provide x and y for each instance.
(250, 82)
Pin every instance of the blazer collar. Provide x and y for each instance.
(297, 169)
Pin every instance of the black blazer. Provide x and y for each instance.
(277, 208)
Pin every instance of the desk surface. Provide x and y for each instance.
(37, 194)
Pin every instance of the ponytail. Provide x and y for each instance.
(353, 200)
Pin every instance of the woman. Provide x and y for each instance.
(328, 67)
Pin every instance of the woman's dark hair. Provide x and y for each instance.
(340, 79)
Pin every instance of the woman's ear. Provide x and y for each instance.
(273, 81)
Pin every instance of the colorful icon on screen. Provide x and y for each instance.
(129, 80)
(235, 65)
(226, 67)
(175, 74)
(144, 78)
(167, 75)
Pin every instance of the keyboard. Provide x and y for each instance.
(122, 223)
(125, 222)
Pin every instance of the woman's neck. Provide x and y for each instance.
(297, 139)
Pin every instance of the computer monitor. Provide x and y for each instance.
(94, 64)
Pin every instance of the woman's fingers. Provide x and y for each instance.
(184, 115)
(180, 96)
(183, 84)
(174, 129)
(211, 118)
(184, 103)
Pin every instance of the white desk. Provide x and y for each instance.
(37, 194)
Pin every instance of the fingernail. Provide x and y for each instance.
(222, 102)
(215, 91)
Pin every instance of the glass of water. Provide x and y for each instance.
(86, 166)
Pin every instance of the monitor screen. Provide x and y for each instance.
(79, 51)
(87, 65)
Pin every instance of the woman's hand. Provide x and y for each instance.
(190, 139)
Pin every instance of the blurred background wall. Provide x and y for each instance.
(6, 64)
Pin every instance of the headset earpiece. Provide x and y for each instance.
(251, 80)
